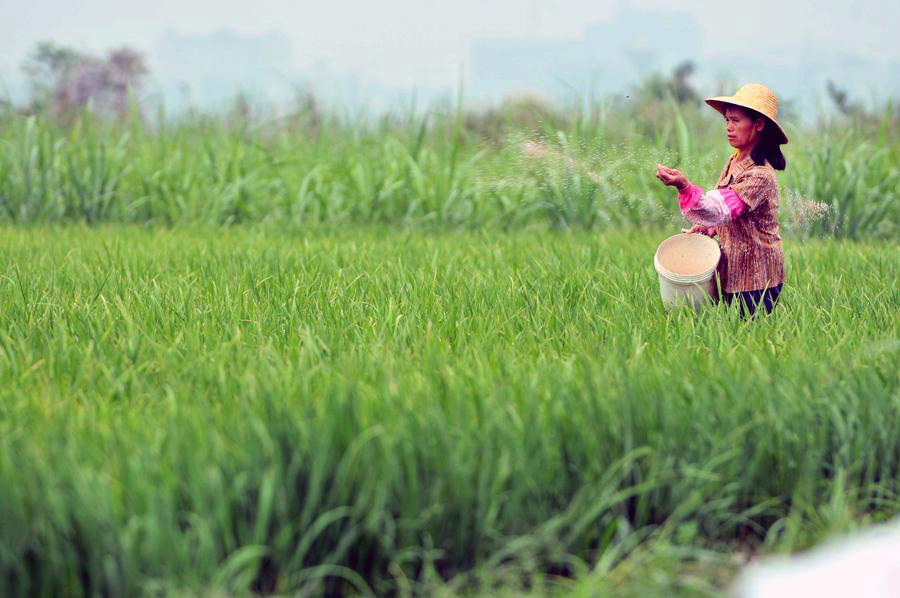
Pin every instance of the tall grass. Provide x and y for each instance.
(377, 411)
(518, 166)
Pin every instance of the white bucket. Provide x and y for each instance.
(686, 265)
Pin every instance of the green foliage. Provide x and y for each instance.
(368, 410)
(523, 164)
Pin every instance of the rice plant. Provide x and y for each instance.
(589, 167)
(374, 410)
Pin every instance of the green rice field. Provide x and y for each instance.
(377, 411)
(426, 355)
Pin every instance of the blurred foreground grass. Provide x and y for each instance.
(378, 410)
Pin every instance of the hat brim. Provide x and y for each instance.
(720, 103)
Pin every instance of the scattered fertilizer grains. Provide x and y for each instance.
(372, 411)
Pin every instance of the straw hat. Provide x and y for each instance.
(756, 97)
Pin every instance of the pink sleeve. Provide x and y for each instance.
(711, 208)
(689, 196)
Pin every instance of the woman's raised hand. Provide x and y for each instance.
(670, 177)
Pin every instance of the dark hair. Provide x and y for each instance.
(768, 146)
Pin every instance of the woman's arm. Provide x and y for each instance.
(711, 208)
(719, 206)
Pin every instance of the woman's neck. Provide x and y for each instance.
(744, 152)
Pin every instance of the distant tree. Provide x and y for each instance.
(841, 99)
(63, 80)
(681, 87)
(126, 69)
(46, 67)
(657, 86)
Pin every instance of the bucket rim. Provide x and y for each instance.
(682, 278)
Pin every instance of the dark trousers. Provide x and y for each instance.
(749, 301)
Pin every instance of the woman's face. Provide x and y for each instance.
(743, 132)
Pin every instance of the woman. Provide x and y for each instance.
(743, 208)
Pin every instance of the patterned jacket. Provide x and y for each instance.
(744, 208)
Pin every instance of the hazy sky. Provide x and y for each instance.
(426, 42)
